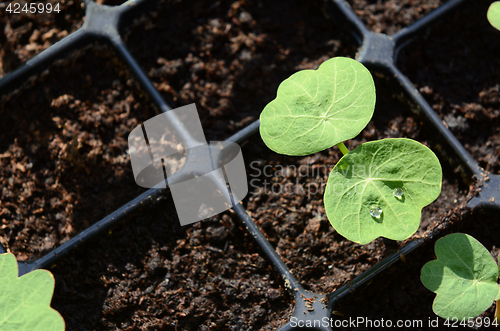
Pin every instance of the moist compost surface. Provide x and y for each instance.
(462, 53)
(64, 165)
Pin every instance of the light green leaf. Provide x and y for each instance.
(498, 294)
(493, 14)
(316, 109)
(25, 301)
(367, 181)
(464, 277)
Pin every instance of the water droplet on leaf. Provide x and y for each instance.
(376, 211)
(398, 193)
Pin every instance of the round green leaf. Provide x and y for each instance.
(464, 277)
(25, 301)
(493, 14)
(380, 188)
(316, 109)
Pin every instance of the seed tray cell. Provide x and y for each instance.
(150, 262)
(466, 96)
(150, 272)
(288, 205)
(391, 16)
(64, 140)
(232, 56)
(26, 35)
(408, 300)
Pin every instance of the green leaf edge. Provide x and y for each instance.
(497, 297)
(498, 294)
(433, 198)
(8, 262)
(268, 140)
(493, 14)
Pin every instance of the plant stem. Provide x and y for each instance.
(497, 310)
(342, 148)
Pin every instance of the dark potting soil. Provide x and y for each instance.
(65, 166)
(390, 16)
(400, 296)
(456, 68)
(26, 34)
(64, 163)
(289, 207)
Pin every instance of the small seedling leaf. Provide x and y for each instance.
(316, 109)
(493, 14)
(25, 300)
(380, 188)
(464, 277)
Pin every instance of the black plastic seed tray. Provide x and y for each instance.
(378, 52)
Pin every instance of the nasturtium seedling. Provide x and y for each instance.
(493, 14)
(25, 300)
(380, 188)
(464, 277)
(317, 109)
